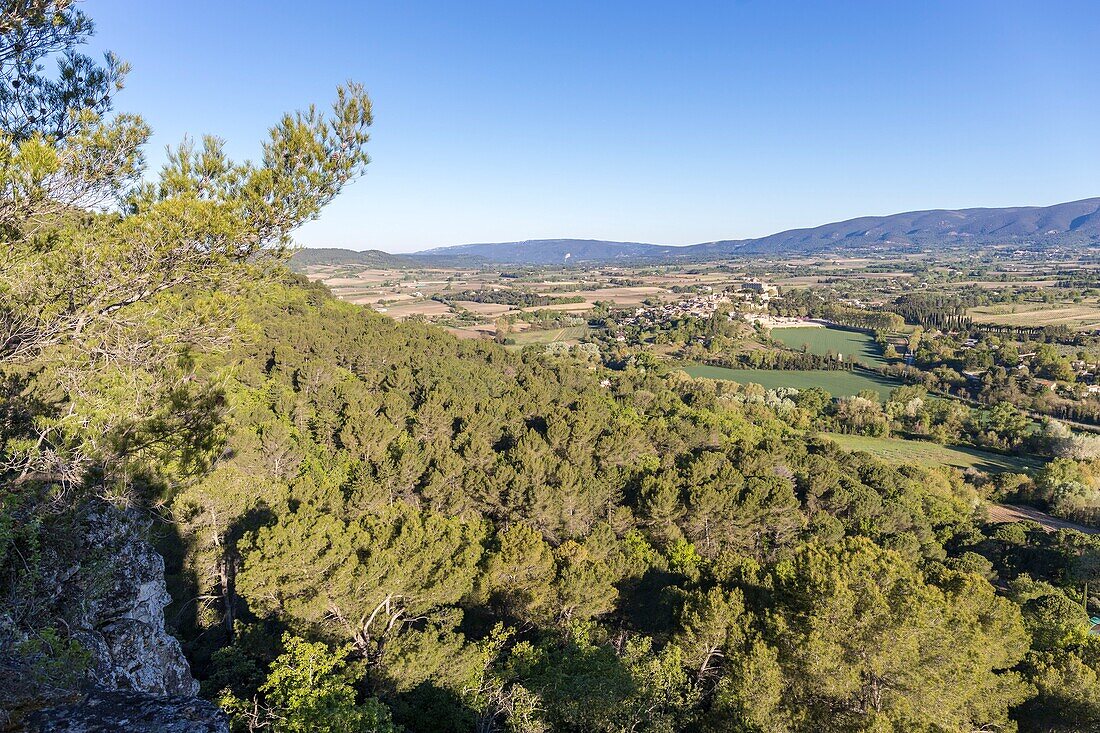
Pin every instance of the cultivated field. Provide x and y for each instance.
(491, 310)
(621, 296)
(899, 450)
(429, 308)
(421, 292)
(1083, 316)
(1002, 513)
(850, 344)
(562, 307)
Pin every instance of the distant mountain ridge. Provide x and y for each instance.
(547, 251)
(1071, 223)
(1076, 223)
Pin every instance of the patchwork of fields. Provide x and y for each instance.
(436, 293)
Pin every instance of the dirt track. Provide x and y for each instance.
(1013, 513)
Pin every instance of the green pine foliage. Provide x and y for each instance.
(374, 526)
(645, 542)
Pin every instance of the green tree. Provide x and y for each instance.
(310, 688)
(711, 627)
(588, 572)
(520, 574)
(33, 102)
(866, 641)
(368, 580)
(149, 286)
(750, 697)
(1055, 622)
(118, 297)
(1008, 423)
(1067, 683)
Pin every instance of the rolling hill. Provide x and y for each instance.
(1072, 224)
(1077, 222)
(337, 256)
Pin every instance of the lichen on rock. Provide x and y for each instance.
(120, 620)
(133, 712)
(99, 594)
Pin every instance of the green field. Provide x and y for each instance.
(851, 344)
(899, 450)
(838, 384)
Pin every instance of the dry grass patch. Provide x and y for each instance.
(1078, 316)
(484, 309)
(428, 308)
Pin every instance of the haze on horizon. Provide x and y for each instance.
(639, 121)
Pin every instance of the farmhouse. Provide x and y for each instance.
(760, 288)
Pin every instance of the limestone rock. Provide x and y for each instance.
(115, 608)
(130, 712)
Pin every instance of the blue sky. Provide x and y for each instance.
(673, 123)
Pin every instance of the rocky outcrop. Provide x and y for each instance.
(114, 606)
(117, 711)
(101, 583)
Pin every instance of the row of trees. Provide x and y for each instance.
(508, 296)
(782, 360)
(945, 312)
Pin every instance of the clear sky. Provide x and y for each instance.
(671, 122)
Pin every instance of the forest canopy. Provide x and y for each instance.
(374, 526)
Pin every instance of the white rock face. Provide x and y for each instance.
(115, 606)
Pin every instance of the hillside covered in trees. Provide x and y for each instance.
(525, 542)
(368, 525)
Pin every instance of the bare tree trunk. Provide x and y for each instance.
(227, 580)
